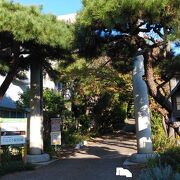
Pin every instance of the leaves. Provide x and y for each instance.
(112, 12)
(94, 77)
(29, 24)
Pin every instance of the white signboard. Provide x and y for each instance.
(56, 138)
(7, 140)
(55, 131)
(55, 124)
(13, 127)
(13, 130)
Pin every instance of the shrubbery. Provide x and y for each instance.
(165, 166)
(11, 160)
(160, 173)
(169, 157)
(108, 113)
(160, 141)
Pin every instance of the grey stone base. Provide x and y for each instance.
(128, 162)
(135, 159)
(141, 158)
(37, 158)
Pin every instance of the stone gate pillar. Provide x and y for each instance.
(36, 115)
(141, 106)
(36, 118)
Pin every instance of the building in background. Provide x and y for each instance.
(8, 107)
(69, 18)
(8, 104)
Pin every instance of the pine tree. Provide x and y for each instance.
(27, 35)
(138, 24)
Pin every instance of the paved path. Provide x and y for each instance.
(96, 161)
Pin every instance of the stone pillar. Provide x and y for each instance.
(141, 105)
(36, 115)
(36, 119)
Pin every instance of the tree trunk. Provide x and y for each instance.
(14, 69)
(166, 107)
(153, 90)
(8, 79)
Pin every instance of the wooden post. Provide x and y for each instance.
(24, 153)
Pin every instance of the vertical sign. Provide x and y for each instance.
(55, 131)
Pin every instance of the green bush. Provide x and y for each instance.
(109, 113)
(169, 157)
(71, 139)
(160, 173)
(160, 141)
(11, 153)
(11, 160)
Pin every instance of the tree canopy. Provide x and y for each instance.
(125, 28)
(124, 14)
(96, 91)
(29, 24)
(27, 35)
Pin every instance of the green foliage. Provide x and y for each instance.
(29, 24)
(3, 69)
(53, 102)
(72, 138)
(24, 100)
(125, 16)
(98, 93)
(11, 160)
(53, 106)
(160, 173)
(160, 141)
(27, 35)
(165, 166)
(170, 157)
(132, 18)
(168, 67)
(110, 13)
(108, 113)
(10, 153)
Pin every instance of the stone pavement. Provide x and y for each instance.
(97, 160)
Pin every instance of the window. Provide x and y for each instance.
(20, 115)
(5, 114)
(58, 86)
(13, 114)
(178, 102)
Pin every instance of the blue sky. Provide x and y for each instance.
(57, 7)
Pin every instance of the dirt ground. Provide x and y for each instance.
(97, 160)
